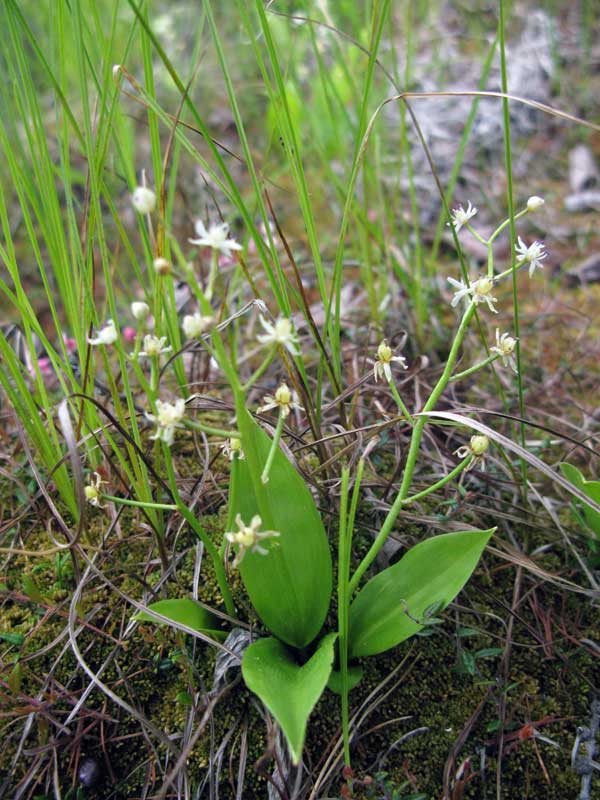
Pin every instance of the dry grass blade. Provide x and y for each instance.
(508, 444)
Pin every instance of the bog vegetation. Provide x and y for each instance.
(299, 424)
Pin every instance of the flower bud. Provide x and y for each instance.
(479, 445)
(534, 203)
(283, 396)
(143, 200)
(162, 266)
(384, 352)
(140, 310)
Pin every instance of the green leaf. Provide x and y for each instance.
(288, 690)
(184, 611)
(15, 678)
(16, 639)
(334, 684)
(32, 590)
(467, 662)
(488, 652)
(290, 586)
(591, 488)
(465, 631)
(184, 698)
(389, 608)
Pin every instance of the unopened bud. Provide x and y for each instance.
(162, 266)
(140, 310)
(534, 203)
(143, 200)
(479, 445)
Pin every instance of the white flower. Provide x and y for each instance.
(505, 348)
(460, 217)
(282, 400)
(534, 203)
(480, 291)
(233, 449)
(248, 537)
(382, 368)
(106, 335)
(215, 237)
(532, 255)
(93, 490)
(477, 448)
(194, 325)
(143, 200)
(153, 347)
(140, 310)
(167, 418)
(281, 333)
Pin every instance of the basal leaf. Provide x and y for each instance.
(389, 608)
(290, 586)
(334, 684)
(591, 488)
(184, 611)
(288, 690)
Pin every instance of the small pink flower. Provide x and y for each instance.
(129, 333)
(45, 367)
(372, 215)
(70, 343)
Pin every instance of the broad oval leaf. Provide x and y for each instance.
(355, 673)
(591, 488)
(288, 690)
(184, 611)
(290, 586)
(387, 611)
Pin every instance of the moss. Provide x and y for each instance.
(435, 697)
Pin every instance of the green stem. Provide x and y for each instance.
(212, 274)
(460, 375)
(442, 482)
(211, 549)
(399, 402)
(191, 423)
(274, 447)
(343, 606)
(474, 233)
(261, 370)
(505, 224)
(139, 503)
(413, 452)
(231, 500)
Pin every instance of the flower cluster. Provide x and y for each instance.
(233, 449)
(478, 291)
(382, 368)
(93, 490)
(194, 325)
(280, 334)
(215, 237)
(168, 417)
(477, 448)
(282, 400)
(248, 537)
(505, 348)
(106, 335)
(154, 347)
(461, 217)
(533, 255)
